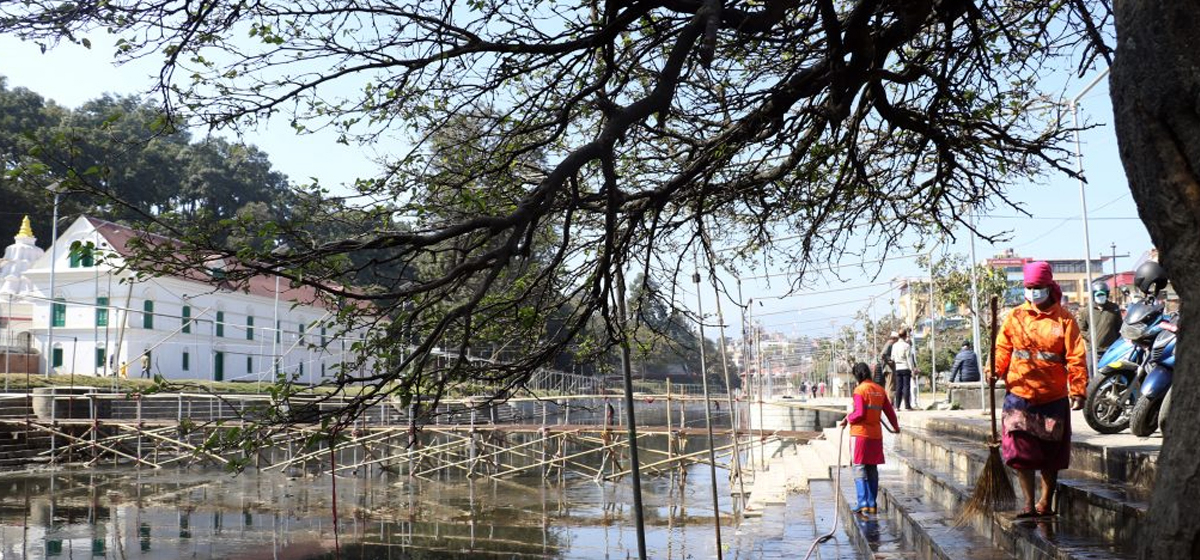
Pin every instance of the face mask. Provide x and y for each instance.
(1101, 299)
(1037, 295)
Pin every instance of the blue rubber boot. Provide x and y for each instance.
(862, 485)
(873, 488)
(863, 489)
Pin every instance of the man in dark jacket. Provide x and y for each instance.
(1108, 319)
(966, 365)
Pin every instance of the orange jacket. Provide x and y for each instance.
(1040, 354)
(865, 422)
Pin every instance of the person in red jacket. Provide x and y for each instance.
(870, 405)
(1041, 357)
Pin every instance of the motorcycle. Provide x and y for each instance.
(1111, 393)
(1133, 376)
(1158, 371)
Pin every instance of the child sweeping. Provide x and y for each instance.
(870, 402)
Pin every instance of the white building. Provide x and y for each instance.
(16, 314)
(105, 321)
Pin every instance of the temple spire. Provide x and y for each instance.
(26, 230)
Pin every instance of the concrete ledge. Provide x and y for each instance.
(969, 396)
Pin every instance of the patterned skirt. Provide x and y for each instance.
(1036, 436)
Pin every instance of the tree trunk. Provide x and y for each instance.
(1156, 100)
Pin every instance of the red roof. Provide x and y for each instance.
(119, 237)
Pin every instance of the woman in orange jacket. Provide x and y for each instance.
(870, 404)
(1041, 356)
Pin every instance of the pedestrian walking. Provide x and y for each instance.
(1041, 357)
(906, 365)
(886, 375)
(966, 365)
(821, 389)
(1108, 319)
(870, 405)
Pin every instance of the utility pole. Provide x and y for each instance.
(1114, 263)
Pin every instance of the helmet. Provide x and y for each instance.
(1150, 277)
(1099, 286)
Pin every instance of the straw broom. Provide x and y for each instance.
(993, 491)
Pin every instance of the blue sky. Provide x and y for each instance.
(71, 75)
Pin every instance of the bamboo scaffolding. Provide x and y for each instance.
(499, 451)
(571, 456)
(70, 437)
(559, 459)
(353, 441)
(664, 461)
(194, 449)
(83, 444)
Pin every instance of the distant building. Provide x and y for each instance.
(102, 320)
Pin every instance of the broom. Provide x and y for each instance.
(993, 490)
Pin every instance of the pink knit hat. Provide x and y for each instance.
(1038, 274)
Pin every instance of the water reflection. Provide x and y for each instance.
(125, 514)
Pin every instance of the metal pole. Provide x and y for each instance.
(733, 413)
(932, 338)
(975, 314)
(8, 342)
(53, 257)
(712, 454)
(742, 305)
(1087, 240)
(874, 330)
(276, 332)
(627, 374)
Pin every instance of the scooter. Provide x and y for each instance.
(1112, 391)
(1159, 369)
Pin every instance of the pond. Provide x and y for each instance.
(123, 513)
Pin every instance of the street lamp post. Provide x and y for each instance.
(54, 188)
(975, 314)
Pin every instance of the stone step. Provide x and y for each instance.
(1042, 539)
(812, 466)
(825, 505)
(784, 529)
(927, 526)
(874, 536)
(827, 448)
(1110, 512)
(1117, 458)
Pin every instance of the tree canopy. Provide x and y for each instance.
(601, 139)
(129, 149)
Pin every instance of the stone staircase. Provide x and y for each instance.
(931, 471)
(19, 446)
